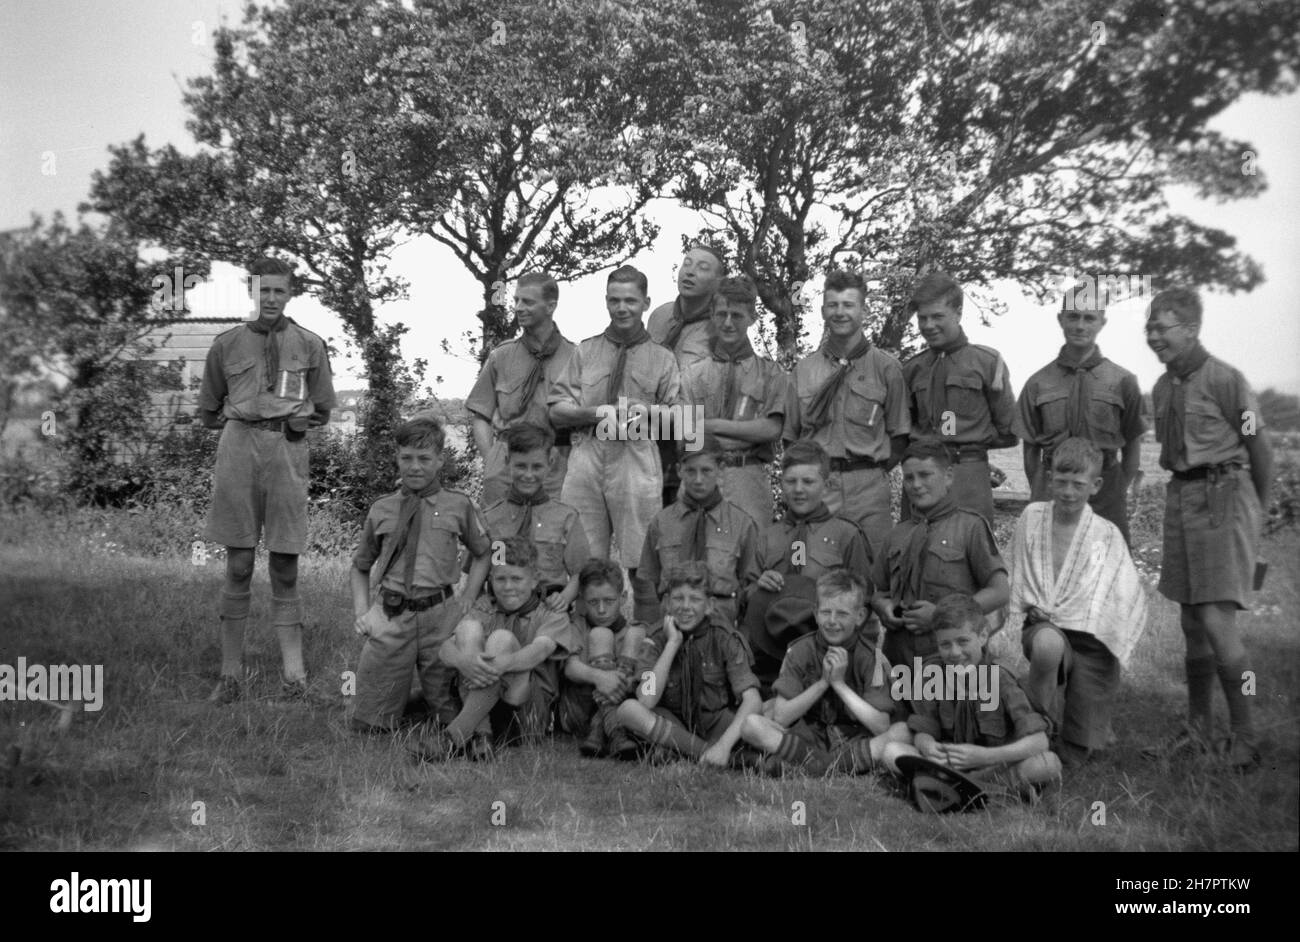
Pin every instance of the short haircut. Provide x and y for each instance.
(1077, 456)
(806, 451)
(958, 610)
(526, 437)
(516, 551)
(936, 286)
(1076, 297)
(597, 571)
(423, 431)
(843, 280)
(266, 265)
(626, 274)
(712, 250)
(840, 581)
(694, 574)
(550, 290)
(928, 448)
(1183, 303)
(738, 289)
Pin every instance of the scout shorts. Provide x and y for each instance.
(259, 488)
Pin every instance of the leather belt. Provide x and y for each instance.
(1207, 471)
(854, 464)
(738, 459)
(395, 603)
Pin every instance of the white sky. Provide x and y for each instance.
(76, 77)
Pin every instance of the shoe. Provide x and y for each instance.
(594, 745)
(480, 748)
(622, 746)
(1242, 755)
(1184, 744)
(228, 690)
(295, 691)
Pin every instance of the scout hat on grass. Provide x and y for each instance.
(774, 619)
(938, 789)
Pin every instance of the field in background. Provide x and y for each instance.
(278, 777)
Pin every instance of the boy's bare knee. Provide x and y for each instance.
(501, 642)
(469, 635)
(752, 727)
(1047, 649)
(239, 565)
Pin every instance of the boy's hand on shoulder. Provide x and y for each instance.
(962, 756)
(918, 616)
(558, 601)
(771, 581)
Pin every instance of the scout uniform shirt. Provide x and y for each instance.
(1095, 399)
(527, 626)
(280, 374)
(871, 406)
(731, 537)
(970, 381)
(742, 389)
(553, 527)
(963, 721)
(509, 391)
(692, 341)
(1199, 418)
(708, 675)
(802, 667)
(447, 516)
(828, 542)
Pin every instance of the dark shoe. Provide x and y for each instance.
(295, 691)
(480, 748)
(1182, 745)
(594, 745)
(228, 690)
(622, 746)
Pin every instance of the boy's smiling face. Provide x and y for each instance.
(926, 482)
(1071, 489)
(699, 475)
(689, 607)
(513, 586)
(839, 616)
(603, 603)
(418, 466)
(803, 487)
(528, 470)
(964, 645)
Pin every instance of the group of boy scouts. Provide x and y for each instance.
(757, 640)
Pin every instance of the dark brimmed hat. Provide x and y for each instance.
(938, 789)
(775, 619)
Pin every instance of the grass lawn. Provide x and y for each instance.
(279, 777)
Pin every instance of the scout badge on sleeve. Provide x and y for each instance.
(938, 789)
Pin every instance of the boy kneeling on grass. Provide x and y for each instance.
(508, 650)
(605, 673)
(1000, 740)
(833, 709)
(701, 688)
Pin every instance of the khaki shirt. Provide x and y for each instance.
(726, 670)
(557, 533)
(497, 396)
(650, 375)
(831, 543)
(235, 380)
(693, 344)
(730, 544)
(760, 393)
(1111, 418)
(1216, 400)
(541, 622)
(802, 667)
(872, 405)
(978, 393)
(449, 518)
(960, 555)
(1013, 719)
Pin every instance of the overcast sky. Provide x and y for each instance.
(77, 76)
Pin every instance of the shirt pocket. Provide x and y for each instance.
(965, 398)
(1208, 434)
(441, 533)
(826, 551)
(722, 552)
(992, 725)
(1051, 405)
(595, 384)
(1105, 414)
(291, 377)
(548, 537)
(242, 380)
(510, 391)
(864, 407)
(946, 570)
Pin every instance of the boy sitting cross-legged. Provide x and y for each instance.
(701, 688)
(833, 709)
(1008, 741)
(604, 674)
(507, 650)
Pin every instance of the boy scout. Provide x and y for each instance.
(700, 690)
(408, 555)
(1082, 394)
(960, 393)
(850, 397)
(807, 541)
(265, 383)
(833, 709)
(701, 526)
(527, 510)
(1208, 424)
(508, 649)
(940, 549)
(605, 674)
(513, 384)
(744, 399)
(1009, 741)
(615, 485)
(684, 327)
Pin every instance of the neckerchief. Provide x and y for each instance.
(523, 611)
(819, 410)
(730, 360)
(540, 352)
(270, 346)
(407, 533)
(916, 543)
(939, 380)
(803, 529)
(1174, 449)
(697, 547)
(693, 672)
(680, 322)
(528, 503)
(637, 335)
(1080, 376)
(965, 714)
